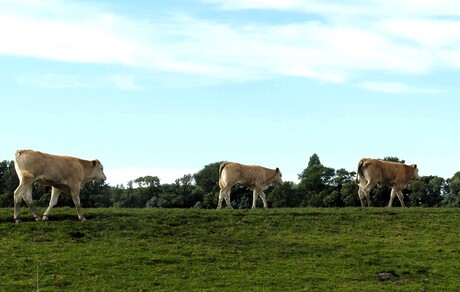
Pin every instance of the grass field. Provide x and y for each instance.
(232, 250)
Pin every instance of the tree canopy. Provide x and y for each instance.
(318, 186)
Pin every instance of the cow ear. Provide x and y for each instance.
(415, 166)
(277, 170)
(94, 163)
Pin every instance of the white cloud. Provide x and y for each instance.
(51, 81)
(348, 41)
(427, 32)
(57, 81)
(395, 87)
(63, 40)
(392, 8)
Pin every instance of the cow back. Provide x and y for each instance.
(53, 169)
(386, 172)
(248, 175)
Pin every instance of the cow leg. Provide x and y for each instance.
(365, 190)
(28, 199)
(75, 193)
(401, 198)
(227, 198)
(18, 194)
(362, 196)
(368, 198)
(53, 201)
(255, 194)
(392, 197)
(224, 194)
(219, 203)
(264, 199)
(361, 193)
(24, 191)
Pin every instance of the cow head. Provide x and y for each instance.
(278, 177)
(98, 171)
(416, 175)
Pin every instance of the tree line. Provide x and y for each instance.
(319, 186)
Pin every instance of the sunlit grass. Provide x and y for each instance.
(188, 249)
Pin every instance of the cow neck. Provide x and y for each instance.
(273, 177)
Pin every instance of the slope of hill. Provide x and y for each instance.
(186, 249)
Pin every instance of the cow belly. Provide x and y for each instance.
(63, 187)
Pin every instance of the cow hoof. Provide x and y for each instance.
(83, 219)
(45, 218)
(17, 220)
(38, 219)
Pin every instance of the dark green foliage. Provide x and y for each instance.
(349, 193)
(428, 191)
(208, 178)
(393, 159)
(286, 195)
(8, 183)
(452, 197)
(322, 185)
(319, 186)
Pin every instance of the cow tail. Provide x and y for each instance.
(360, 172)
(17, 167)
(221, 168)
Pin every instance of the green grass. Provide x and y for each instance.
(231, 250)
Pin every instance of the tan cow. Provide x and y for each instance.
(255, 177)
(63, 173)
(395, 175)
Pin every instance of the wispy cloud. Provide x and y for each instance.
(59, 81)
(399, 37)
(395, 87)
(393, 8)
(51, 81)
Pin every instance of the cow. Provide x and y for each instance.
(395, 175)
(63, 173)
(256, 178)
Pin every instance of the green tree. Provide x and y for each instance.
(286, 195)
(343, 176)
(208, 177)
(349, 193)
(96, 194)
(184, 188)
(314, 181)
(127, 197)
(427, 191)
(148, 181)
(314, 160)
(393, 159)
(207, 180)
(452, 196)
(9, 181)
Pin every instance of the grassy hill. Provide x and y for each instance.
(233, 250)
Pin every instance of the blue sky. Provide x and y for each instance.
(165, 87)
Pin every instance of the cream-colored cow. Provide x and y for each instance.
(255, 177)
(395, 175)
(63, 173)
